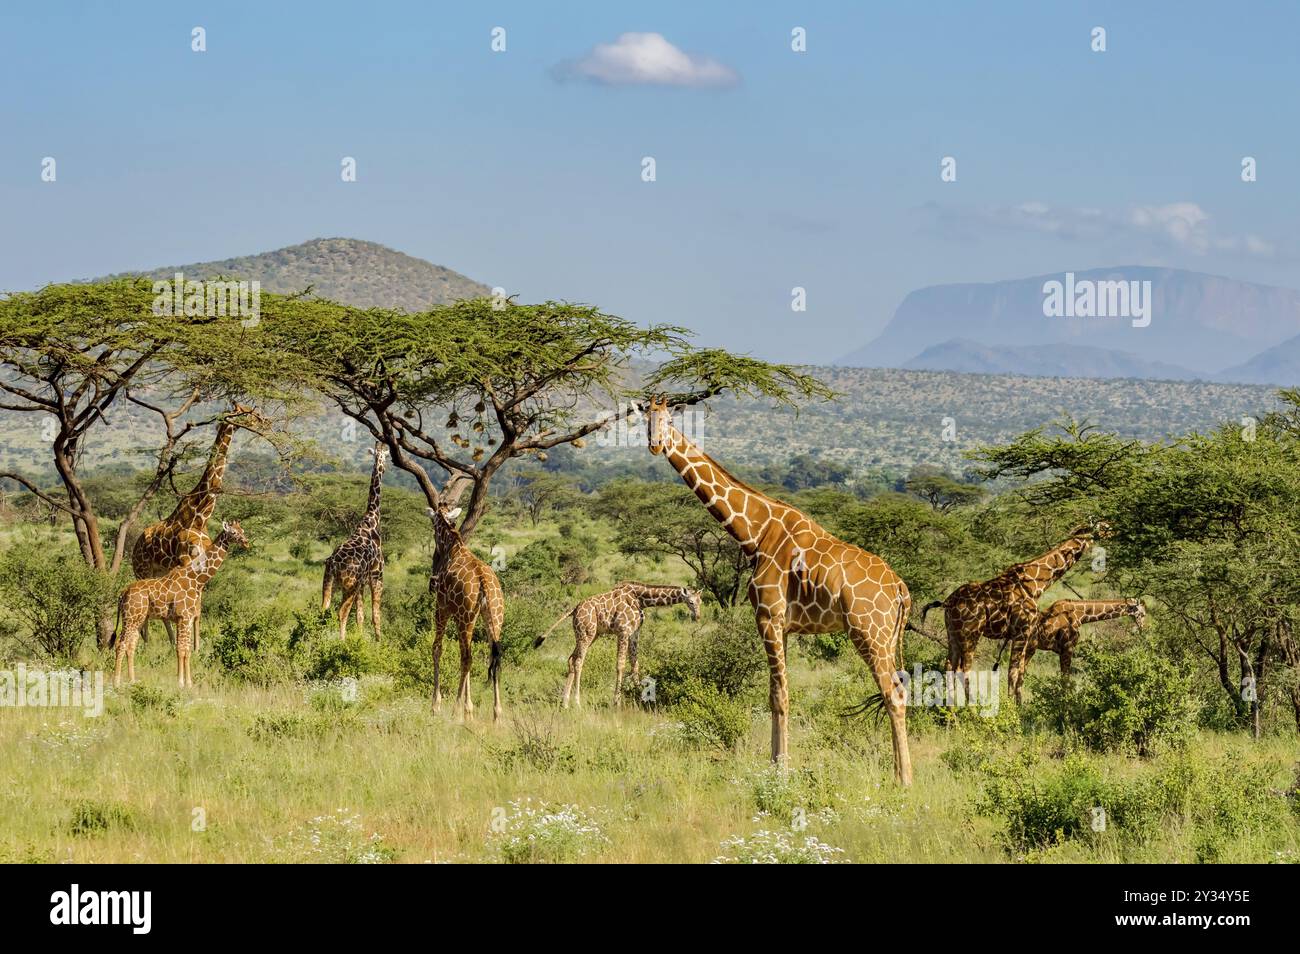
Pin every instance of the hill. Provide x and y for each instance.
(1057, 360)
(359, 273)
(1199, 322)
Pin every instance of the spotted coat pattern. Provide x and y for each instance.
(358, 562)
(619, 611)
(176, 598)
(1061, 625)
(464, 587)
(804, 580)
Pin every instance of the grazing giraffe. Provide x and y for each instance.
(620, 611)
(175, 598)
(1059, 630)
(805, 581)
(175, 541)
(464, 586)
(358, 561)
(1006, 606)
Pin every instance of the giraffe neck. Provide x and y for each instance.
(1093, 611)
(446, 540)
(370, 520)
(1038, 574)
(742, 510)
(659, 595)
(195, 508)
(211, 561)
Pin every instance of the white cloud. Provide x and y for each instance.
(646, 59)
(1177, 225)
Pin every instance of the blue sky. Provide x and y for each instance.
(775, 169)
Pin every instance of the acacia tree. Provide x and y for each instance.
(1208, 526)
(74, 357)
(457, 391)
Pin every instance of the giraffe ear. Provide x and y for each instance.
(453, 514)
(431, 512)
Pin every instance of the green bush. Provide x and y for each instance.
(94, 818)
(1125, 701)
(725, 654)
(355, 656)
(58, 599)
(709, 717)
(254, 649)
(146, 698)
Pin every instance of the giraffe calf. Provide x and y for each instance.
(175, 598)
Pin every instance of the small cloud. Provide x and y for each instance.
(1174, 225)
(646, 59)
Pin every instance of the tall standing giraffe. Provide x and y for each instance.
(182, 536)
(464, 586)
(358, 562)
(620, 611)
(1060, 627)
(1006, 606)
(805, 580)
(176, 598)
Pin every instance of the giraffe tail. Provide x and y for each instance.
(494, 661)
(935, 604)
(117, 625)
(542, 638)
(327, 591)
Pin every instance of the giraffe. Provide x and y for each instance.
(1006, 606)
(464, 587)
(1059, 630)
(176, 598)
(804, 580)
(358, 561)
(175, 541)
(620, 611)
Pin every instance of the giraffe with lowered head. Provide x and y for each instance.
(358, 562)
(805, 580)
(464, 587)
(620, 611)
(1060, 628)
(1006, 606)
(175, 598)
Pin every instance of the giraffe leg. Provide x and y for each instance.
(376, 596)
(620, 662)
(190, 645)
(493, 619)
(1067, 657)
(130, 655)
(636, 670)
(575, 667)
(466, 628)
(123, 642)
(180, 659)
(439, 630)
(359, 604)
(771, 630)
(881, 664)
(345, 611)
(1016, 669)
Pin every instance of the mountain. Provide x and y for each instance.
(1198, 322)
(1279, 364)
(1065, 361)
(358, 273)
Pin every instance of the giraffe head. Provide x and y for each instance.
(658, 419)
(232, 534)
(256, 420)
(692, 599)
(443, 519)
(1102, 530)
(1138, 610)
(379, 452)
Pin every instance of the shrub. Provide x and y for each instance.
(1125, 701)
(710, 718)
(353, 657)
(58, 598)
(152, 699)
(725, 655)
(777, 848)
(540, 833)
(535, 748)
(94, 818)
(253, 649)
(334, 839)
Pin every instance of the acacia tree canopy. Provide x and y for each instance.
(458, 390)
